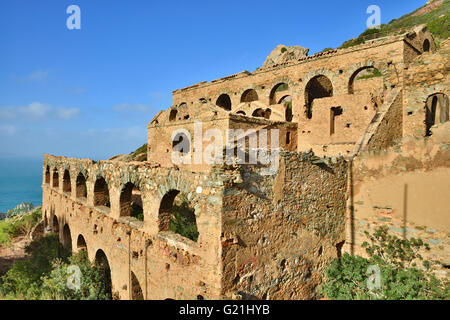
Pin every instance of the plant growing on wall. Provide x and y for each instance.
(183, 219)
(401, 276)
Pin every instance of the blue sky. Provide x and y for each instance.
(91, 92)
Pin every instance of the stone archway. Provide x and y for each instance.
(318, 87)
(436, 111)
(101, 261)
(67, 237)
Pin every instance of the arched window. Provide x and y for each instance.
(67, 238)
(81, 243)
(55, 179)
(426, 45)
(55, 225)
(101, 193)
(81, 191)
(249, 95)
(436, 111)
(131, 202)
(173, 115)
(101, 261)
(176, 215)
(280, 89)
(261, 113)
(224, 102)
(357, 79)
(287, 102)
(47, 175)
(318, 87)
(67, 187)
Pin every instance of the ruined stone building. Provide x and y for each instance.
(376, 119)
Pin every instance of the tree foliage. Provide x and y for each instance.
(401, 277)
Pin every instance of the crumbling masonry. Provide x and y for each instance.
(351, 123)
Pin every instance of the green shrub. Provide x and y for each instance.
(44, 274)
(401, 277)
(18, 226)
(93, 283)
(183, 220)
(23, 280)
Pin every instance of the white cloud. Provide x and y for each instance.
(38, 75)
(125, 107)
(37, 111)
(68, 113)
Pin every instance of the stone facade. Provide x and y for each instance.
(349, 123)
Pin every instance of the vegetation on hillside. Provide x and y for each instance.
(437, 21)
(45, 274)
(400, 276)
(18, 225)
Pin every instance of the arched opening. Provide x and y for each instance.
(131, 202)
(67, 187)
(173, 115)
(241, 113)
(318, 87)
(426, 45)
(249, 95)
(55, 179)
(55, 225)
(358, 80)
(280, 89)
(81, 243)
(101, 193)
(176, 215)
(287, 102)
(47, 175)
(181, 143)
(136, 291)
(101, 261)
(261, 113)
(81, 191)
(202, 100)
(67, 237)
(224, 102)
(436, 111)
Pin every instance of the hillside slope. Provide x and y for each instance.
(435, 14)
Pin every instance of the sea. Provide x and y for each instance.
(20, 181)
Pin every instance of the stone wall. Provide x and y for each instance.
(404, 187)
(165, 264)
(279, 232)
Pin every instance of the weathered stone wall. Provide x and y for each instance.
(390, 128)
(171, 266)
(280, 231)
(425, 76)
(339, 67)
(406, 185)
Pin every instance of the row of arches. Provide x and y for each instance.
(319, 86)
(176, 214)
(100, 259)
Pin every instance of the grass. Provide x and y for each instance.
(19, 225)
(438, 23)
